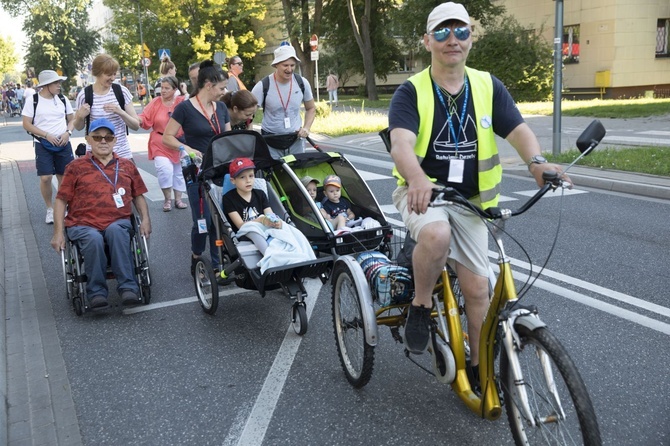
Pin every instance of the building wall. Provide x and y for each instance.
(618, 36)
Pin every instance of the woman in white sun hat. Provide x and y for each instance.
(281, 94)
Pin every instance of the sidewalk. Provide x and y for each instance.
(37, 406)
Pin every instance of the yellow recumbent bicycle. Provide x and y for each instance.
(544, 396)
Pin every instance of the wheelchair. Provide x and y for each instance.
(75, 276)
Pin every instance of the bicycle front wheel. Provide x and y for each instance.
(557, 397)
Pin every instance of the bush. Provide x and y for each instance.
(322, 109)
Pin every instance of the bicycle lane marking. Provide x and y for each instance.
(252, 430)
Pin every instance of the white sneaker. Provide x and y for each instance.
(50, 216)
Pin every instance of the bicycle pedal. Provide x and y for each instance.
(395, 332)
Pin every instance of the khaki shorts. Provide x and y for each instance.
(469, 235)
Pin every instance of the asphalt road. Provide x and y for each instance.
(170, 374)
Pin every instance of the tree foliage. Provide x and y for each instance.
(58, 34)
(8, 57)
(520, 58)
(380, 46)
(193, 30)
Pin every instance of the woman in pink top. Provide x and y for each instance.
(168, 167)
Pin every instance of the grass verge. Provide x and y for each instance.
(648, 160)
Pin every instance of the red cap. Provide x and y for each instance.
(239, 165)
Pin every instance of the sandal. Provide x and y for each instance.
(167, 206)
(180, 204)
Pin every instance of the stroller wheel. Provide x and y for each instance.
(206, 286)
(299, 318)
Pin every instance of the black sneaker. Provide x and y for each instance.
(129, 297)
(417, 329)
(473, 376)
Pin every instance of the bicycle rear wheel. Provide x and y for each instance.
(539, 352)
(356, 355)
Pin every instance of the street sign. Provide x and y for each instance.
(163, 53)
(315, 55)
(146, 62)
(314, 43)
(219, 57)
(146, 52)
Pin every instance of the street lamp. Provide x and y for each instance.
(146, 72)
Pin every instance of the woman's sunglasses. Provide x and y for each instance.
(98, 138)
(461, 33)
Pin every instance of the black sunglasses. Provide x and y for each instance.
(461, 33)
(98, 138)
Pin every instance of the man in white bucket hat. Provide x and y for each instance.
(449, 140)
(47, 116)
(281, 94)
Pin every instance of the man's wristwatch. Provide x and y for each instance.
(537, 159)
(69, 132)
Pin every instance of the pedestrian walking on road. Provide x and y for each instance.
(201, 117)
(235, 68)
(48, 116)
(166, 160)
(281, 94)
(332, 84)
(105, 99)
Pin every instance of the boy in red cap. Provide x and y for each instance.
(244, 203)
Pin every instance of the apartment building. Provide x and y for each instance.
(617, 47)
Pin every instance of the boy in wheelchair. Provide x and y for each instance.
(97, 191)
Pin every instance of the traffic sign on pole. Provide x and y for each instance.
(163, 53)
(314, 42)
(146, 62)
(146, 52)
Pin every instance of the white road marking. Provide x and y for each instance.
(226, 292)
(151, 181)
(261, 414)
(371, 176)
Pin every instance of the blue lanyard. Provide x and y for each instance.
(454, 135)
(116, 176)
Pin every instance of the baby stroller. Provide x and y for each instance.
(240, 256)
(14, 107)
(374, 234)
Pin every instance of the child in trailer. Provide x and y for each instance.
(335, 208)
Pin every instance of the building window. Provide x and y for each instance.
(406, 63)
(571, 44)
(662, 28)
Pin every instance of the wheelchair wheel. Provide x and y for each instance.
(356, 355)
(299, 318)
(206, 286)
(68, 277)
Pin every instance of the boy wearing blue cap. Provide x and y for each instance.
(97, 190)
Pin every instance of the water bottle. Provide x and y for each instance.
(186, 165)
(383, 286)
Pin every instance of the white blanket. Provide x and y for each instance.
(287, 246)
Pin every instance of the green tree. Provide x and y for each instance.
(193, 30)
(368, 24)
(520, 58)
(8, 57)
(59, 37)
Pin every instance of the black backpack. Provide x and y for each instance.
(266, 86)
(36, 98)
(88, 99)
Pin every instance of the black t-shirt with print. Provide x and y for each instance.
(442, 147)
(248, 210)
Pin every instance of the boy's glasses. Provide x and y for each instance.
(461, 33)
(98, 138)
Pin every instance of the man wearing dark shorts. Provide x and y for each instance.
(50, 123)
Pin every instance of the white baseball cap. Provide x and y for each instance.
(445, 12)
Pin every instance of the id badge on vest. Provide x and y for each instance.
(456, 167)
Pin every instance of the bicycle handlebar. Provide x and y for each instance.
(445, 196)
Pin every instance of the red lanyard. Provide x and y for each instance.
(279, 93)
(209, 121)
